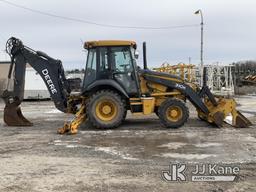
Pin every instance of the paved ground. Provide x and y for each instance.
(129, 158)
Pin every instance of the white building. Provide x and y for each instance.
(35, 87)
(4, 68)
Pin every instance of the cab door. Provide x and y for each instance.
(122, 68)
(91, 66)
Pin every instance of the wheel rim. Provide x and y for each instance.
(106, 110)
(174, 113)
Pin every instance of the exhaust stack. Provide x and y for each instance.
(145, 56)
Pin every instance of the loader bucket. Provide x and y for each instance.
(224, 108)
(13, 115)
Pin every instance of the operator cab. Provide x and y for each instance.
(111, 62)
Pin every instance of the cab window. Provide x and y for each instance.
(121, 59)
(90, 73)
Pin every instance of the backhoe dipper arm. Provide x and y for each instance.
(49, 69)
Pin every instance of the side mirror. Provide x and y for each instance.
(136, 54)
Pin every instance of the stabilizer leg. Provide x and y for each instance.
(72, 127)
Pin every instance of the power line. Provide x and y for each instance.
(94, 23)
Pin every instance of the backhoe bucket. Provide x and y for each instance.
(13, 115)
(224, 108)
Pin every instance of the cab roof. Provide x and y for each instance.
(104, 43)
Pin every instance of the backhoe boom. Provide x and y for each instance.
(51, 71)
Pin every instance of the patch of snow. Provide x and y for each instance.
(64, 143)
(113, 151)
(188, 156)
(228, 119)
(173, 145)
(208, 145)
(59, 141)
(53, 111)
(60, 144)
(71, 146)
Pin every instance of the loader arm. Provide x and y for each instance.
(174, 82)
(51, 71)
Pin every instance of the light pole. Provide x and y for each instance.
(202, 43)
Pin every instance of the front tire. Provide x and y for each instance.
(173, 113)
(105, 109)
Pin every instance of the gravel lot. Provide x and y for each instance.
(129, 158)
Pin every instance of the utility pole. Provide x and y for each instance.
(202, 43)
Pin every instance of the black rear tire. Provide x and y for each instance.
(104, 117)
(173, 113)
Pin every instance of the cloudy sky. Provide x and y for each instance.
(230, 28)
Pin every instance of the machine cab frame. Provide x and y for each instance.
(112, 60)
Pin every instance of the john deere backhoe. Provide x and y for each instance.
(113, 84)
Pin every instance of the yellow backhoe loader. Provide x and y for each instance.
(113, 84)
